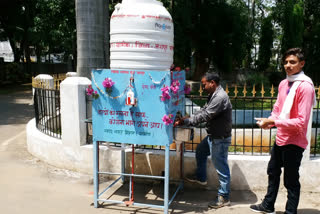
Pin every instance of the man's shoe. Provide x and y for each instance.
(194, 179)
(258, 208)
(219, 202)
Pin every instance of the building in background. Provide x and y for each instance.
(6, 52)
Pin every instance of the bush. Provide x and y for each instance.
(276, 77)
(13, 72)
(315, 148)
(257, 79)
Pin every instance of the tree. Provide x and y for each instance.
(311, 43)
(54, 27)
(265, 44)
(183, 26)
(48, 25)
(250, 32)
(293, 26)
(11, 24)
(213, 32)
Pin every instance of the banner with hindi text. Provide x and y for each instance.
(114, 120)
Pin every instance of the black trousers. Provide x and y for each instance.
(289, 157)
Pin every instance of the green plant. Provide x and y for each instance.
(315, 149)
(12, 71)
(257, 79)
(235, 149)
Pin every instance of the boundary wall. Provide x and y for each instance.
(71, 151)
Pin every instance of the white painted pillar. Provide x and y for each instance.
(46, 82)
(73, 111)
(72, 74)
(306, 153)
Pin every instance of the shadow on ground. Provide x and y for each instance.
(191, 200)
(308, 211)
(304, 211)
(15, 105)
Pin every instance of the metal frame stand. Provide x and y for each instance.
(131, 201)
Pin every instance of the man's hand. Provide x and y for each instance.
(264, 123)
(179, 121)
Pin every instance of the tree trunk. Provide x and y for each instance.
(201, 57)
(15, 50)
(106, 41)
(90, 16)
(38, 53)
(250, 42)
(27, 52)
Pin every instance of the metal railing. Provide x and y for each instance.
(57, 79)
(46, 97)
(47, 111)
(247, 137)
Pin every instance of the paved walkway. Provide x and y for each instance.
(29, 186)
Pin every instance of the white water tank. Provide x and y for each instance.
(141, 36)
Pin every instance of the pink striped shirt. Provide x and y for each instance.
(293, 130)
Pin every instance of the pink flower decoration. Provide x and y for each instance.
(165, 93)
(175, 86)
(108, 83)
(174, 89)
(167, 119)
(166, 88)
(89, 90)
(176, 83)
(187, 89)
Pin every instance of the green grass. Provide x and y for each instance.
(237, 149)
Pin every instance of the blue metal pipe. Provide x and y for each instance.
(134, 203)
(95, 173)
(166, 179)
(148, 205)
(110, 186)
(133, 175)
(123, 161)
(174, 195)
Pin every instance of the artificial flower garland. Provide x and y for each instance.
(165, 93)
(175, 86)
(108, 83)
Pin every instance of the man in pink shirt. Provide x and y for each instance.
(291, 115)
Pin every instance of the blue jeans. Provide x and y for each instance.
(219, 157)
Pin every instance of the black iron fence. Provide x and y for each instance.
(47, 111)
(247, 137)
